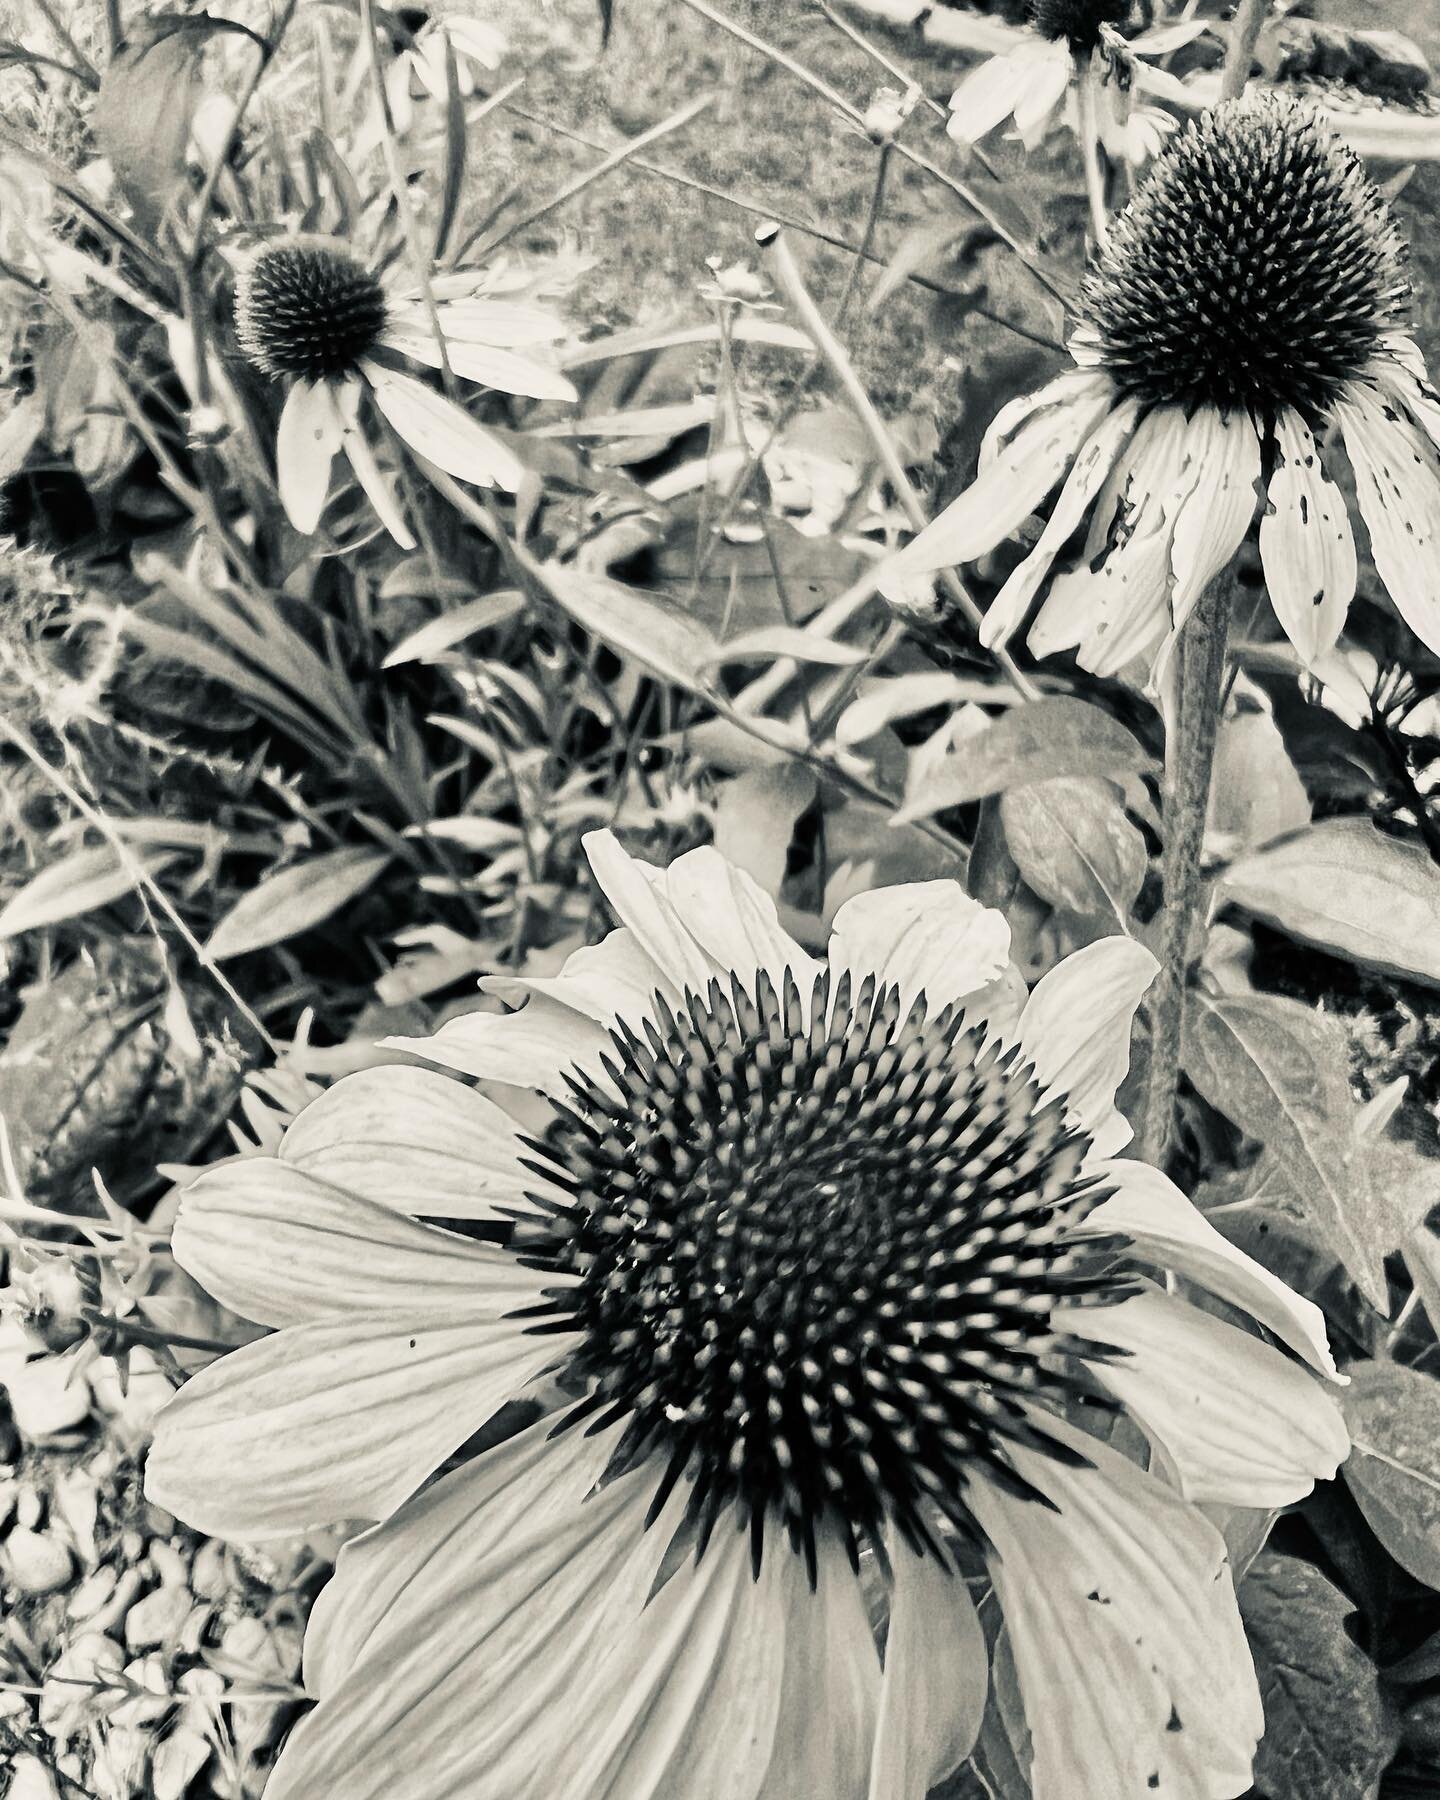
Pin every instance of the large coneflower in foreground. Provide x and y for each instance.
(821, 1268)
(308, 311)
(1243, 321)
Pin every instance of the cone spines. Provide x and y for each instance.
(307, 311)
(1257, 266)
(818, 1248)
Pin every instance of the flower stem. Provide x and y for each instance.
(1250, 16)
(1189, 762)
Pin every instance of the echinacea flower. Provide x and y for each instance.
(422, 47)
(1244, 318)
(817, 1266)
(309, 311)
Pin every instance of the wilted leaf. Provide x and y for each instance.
(292, 900)
(1074, 845)
(1327, 1732)
(78, 883)
(1280, 1071)
(644, 626)
(1351, 890)
(1049, 738)
(1394, 1470)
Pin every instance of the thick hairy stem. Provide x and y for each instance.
(1189, 761)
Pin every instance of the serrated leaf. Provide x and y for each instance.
(1327, 1733)
(292, 900)
(1280, 1071)
(651, 630)
(78, 883)
(1351, 890)
(1073, 844)
(1057, 736)
(1394, 1469)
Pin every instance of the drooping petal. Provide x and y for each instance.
(277, 1245)
(479, 1673)
(438, 430)
(343, 1419)
(1131, 1658)
(1306, 545)
(1240, 1422)
(1076, 1030)
(1214, 512)
(1073, 385)
(1043, 93)
(605, 981)
(993, 89)
(378, 488)
(1172, 1232)
(1397, 481)
(1009, 488)
(1115, 605)
(1090, 471)
(502, 370)
(937, 1675)
(414, 1140)
(305, 446)
(506, 324)
(925, 937)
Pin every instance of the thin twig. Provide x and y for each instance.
(772, 240)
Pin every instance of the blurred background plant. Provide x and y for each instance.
(267, 797)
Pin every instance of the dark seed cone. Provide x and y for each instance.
(1257, 266)
(308, 312)
(1078, 22)
(817, 1263)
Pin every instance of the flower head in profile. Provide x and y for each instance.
(817, 1267)
(1245, 318)
(1029, 81)
(311, 312)
(422, 47)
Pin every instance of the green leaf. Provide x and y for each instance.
(438, 635)
(651, 630)
(1280, 1071)
(1327, 1733)
(1351, 890)
(78, 883)
(770, 641)
(1073, 844)
(1394, 1470)
(1049, 738)
(292, 900)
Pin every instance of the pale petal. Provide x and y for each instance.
(1172, 1232)
(830, 1688)
(988, 94)
(504, 323)
(414, 1140)
(1043, 93)
(438, 430)
(1397, 480)
(378, 487)
(1240, 1422)
(502, 370)
(379, 1585)
(1076, 1030)
(1306, 544)
(1131, 1658)
(925, 937)
(1009, 488)
(937, 1675)
(734, 920)
(531, 1048)
(305, 446)
(641, 904)
(1214, 511)
(1073, 385)
(339, 1420)
(277, 1246)
(502, 1632)
(605, 981)
(1091, 469)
